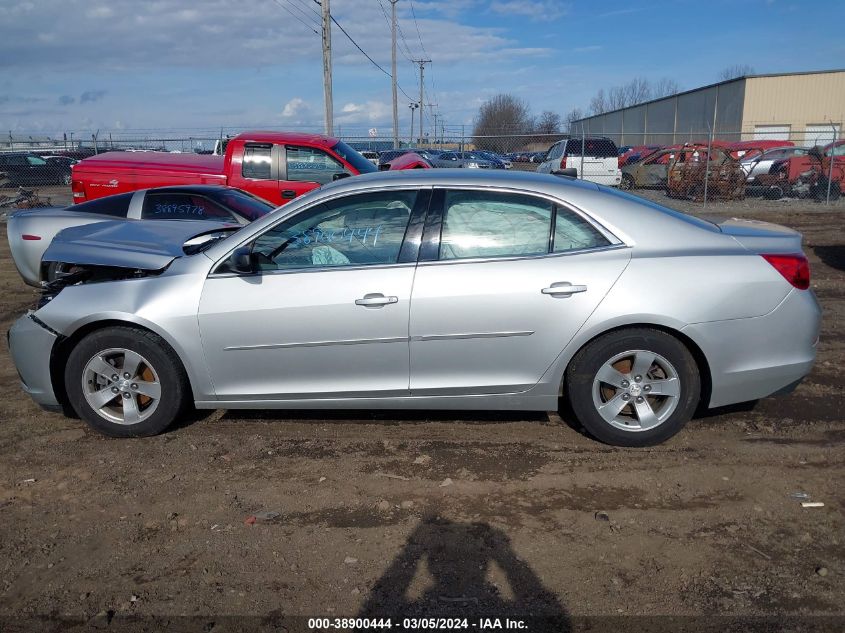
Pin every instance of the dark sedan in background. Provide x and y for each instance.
(25, 168)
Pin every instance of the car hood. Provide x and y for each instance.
(147, 244)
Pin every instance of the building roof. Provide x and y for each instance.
(713, 85)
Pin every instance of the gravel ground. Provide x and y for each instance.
(424, 514)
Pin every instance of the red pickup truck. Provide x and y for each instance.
(276, 166)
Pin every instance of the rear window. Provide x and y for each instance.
(113, 206)
(598, 147)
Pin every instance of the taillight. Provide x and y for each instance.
(794, 268)
(78, 189)
(563, 161)
(30, 238)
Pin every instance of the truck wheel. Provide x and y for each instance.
(126, 382)
(627, 182)
(633, 387)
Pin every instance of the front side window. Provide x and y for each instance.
(481, 224)
(182, 206)
(257, 161)
(362, 229)
(308, 164)
(36, 161)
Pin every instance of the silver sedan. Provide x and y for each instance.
(427, 289)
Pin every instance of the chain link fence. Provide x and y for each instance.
(770, 162)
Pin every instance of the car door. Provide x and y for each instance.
(505, 281)
(258, 172)
(552, 161)
(305, 168)
(325, 314)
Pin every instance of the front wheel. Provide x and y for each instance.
(633, 387)
(126, 382)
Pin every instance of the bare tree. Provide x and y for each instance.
(736, 71)
(638, 90)
(665, 87)
(573, 115)
(598, 104)
(547, 123)
(501, 116)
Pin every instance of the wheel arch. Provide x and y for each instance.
(698, 355)
(65, 345)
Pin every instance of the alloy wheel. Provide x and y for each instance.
(636, 390)
(121, 386)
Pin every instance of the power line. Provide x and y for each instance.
(308, 6)
(309, 26)
(407, 52)
(414, 14)
(363, 52)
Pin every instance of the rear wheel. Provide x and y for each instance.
(126, 382)
(65, 179)
(633, 387)
(627, 182)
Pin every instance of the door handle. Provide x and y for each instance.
(375, 300)
(563, 288)
(288, 193)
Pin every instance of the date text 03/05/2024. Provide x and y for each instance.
(430, 624)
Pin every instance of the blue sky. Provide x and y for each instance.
(157, 65)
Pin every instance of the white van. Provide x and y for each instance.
(598, 162)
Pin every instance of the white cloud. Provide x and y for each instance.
(294, 107)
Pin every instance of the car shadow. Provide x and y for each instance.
(386, 417)
(833, 256)
(449, 569)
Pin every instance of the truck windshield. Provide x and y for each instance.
(351, 156)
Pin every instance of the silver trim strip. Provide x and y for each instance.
(359, 341)
(449, 337)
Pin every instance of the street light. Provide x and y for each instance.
(413, 107)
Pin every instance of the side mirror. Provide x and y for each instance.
(240, 261)
(339, 176)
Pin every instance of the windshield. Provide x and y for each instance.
(361, 164)
(244, 204)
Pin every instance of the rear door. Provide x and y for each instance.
(302, 169)
(552, 162)
(504, 283)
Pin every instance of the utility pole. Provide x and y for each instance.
(422, 63)
(393, 73)
(434, 116)
(327, 67)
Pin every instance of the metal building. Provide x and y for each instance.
(807, 108)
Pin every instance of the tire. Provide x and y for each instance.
(627, 182)
(620, 351)
(819, 190)
(65, 179)
(773, 193)
(152, 362)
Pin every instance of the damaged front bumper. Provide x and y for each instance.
(31, 345)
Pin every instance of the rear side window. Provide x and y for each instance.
(479, 224)
(113, 206)
(257, 161)
(183, 206)
(555, 152)
(572, 233)
(597, 147)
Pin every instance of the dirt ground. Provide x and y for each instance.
(405, 514)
